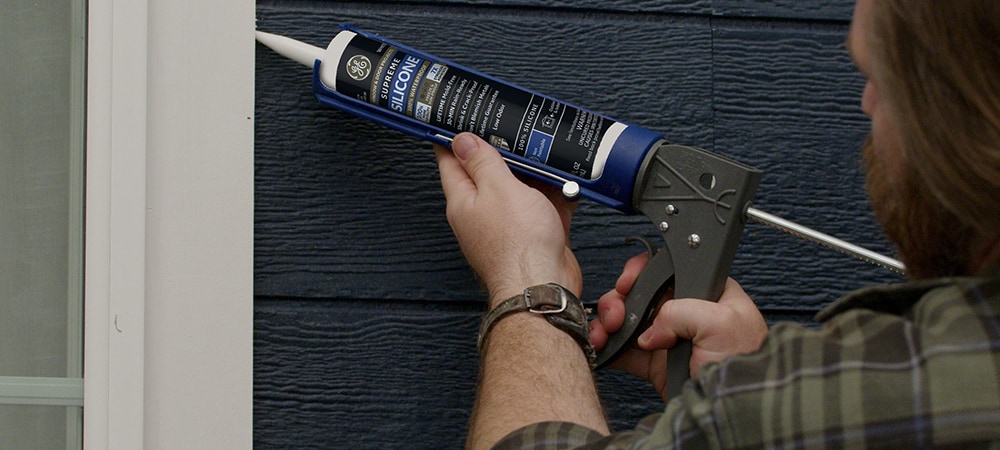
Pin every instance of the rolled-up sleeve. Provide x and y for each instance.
(666, 429)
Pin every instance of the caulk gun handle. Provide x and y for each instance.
(697, 200)
(640, 306)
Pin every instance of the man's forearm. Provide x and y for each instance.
(532, 372)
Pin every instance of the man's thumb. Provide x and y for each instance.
(476, 155)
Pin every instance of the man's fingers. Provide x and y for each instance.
(679, 319)
(611, 305)
(610, 318)
(718, 329)
(454, 179)
(481, 161)
(631, 272)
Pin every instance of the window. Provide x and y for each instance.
(41, 223)
(167, 298)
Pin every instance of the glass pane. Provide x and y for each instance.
(42, 46)
(27, 426)
(41, 190)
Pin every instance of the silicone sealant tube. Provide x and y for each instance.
(426, 96)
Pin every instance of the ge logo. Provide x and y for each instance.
(358, 67)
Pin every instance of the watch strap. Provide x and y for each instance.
(553, 302)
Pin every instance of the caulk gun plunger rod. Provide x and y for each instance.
(825, 239)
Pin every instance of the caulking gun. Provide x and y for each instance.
(699, 201)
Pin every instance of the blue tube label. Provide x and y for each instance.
(533, 126)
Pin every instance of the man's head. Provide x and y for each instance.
(933, 157)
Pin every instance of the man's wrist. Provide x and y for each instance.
(560, 307)
(511, 286)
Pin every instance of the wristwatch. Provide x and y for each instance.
(553, 302)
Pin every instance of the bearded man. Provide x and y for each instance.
(915, 364)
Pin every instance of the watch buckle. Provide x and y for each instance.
(545, 309)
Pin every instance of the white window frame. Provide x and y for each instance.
(168, 294)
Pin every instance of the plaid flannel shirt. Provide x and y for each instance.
(912, 365)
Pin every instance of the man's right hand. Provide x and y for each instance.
(731, 326)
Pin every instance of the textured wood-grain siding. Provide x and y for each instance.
(366, 312)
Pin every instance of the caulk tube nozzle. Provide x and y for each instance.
(307, 55)
(297, 51)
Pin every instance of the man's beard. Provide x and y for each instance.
(932, 242)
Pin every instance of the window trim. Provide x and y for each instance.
(169, 112)
(114, 264)
(51, 391)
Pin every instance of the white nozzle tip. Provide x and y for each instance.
(299, 52)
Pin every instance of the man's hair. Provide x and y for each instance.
(940, 67)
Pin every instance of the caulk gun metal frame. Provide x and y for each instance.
(697, 200)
